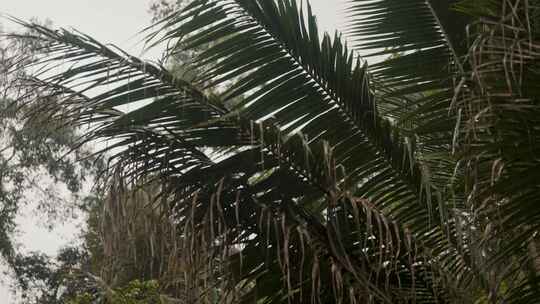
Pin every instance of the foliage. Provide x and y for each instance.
(41, 279)
(36, 174)
(178, 62)
(330, 181)
(135, 292)
(67, 279)
(160, 9)
(498, 129)
(137, 240)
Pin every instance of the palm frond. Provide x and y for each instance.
(428, 35)
(496, 141)
(301, 83)
(415, 85)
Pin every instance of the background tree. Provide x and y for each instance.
(179, 63)
(41, 279)
(35, 173)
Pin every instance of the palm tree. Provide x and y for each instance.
(330, 181)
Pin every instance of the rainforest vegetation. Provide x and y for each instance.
(265, 161)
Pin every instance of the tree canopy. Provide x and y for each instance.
(288, 170)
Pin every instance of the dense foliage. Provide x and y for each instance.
(35, 173)
(135, 292)
(413, 180)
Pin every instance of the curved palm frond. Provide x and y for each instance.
(415, 88)
(325, 106)
(415, 85)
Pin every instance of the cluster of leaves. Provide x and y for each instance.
(160, 9)
(41, 279)
(68, 279)
(135, 292)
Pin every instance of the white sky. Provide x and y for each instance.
(109, 21)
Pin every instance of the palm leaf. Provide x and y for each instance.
(495, 138)
(366, 151)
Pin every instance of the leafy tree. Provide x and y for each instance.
(64, 281)
(35, 172)
(41, 279)
(162, 8)
(68, 279)
(410, 181)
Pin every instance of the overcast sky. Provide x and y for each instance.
(109, 21)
